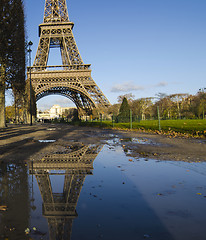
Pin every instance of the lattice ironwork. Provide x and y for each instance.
(55, 11)
(74, 79)
(74, 163)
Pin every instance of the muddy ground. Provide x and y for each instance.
(21, 143)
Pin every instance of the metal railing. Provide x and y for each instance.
(59, 68)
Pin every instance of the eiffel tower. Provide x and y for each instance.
(75, 164)
(73, 78)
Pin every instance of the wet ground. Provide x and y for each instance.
(61, 182)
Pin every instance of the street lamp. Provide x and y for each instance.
(203, 91)
(29, 51)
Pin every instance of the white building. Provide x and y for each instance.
(43, 115)
(54, 112)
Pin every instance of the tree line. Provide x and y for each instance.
(173, 106)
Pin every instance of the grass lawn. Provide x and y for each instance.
(188, 126)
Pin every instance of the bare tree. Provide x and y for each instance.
(128, 96)
(142, 107)
(178, 100)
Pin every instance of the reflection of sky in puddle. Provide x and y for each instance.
(125, 199)
(57, 183)
(47, 141)
(144, 141)
(113, 141)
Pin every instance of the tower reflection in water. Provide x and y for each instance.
(74, 162)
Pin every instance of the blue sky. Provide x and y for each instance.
(142, 47)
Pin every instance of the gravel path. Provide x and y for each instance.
(20, 143)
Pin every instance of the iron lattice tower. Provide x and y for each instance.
(73, 78)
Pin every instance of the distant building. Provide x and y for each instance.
(54, 112)
(41, 115)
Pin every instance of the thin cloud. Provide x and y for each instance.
(130, 86)
(126, 87)
(161, 84)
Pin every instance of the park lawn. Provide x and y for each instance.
(188, 126)
(183, 125)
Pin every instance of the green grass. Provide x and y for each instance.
(194, 127)
(188, 125)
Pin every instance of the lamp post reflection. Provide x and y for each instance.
(30, 86)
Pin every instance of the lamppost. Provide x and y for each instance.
(158, 115)
(29, 51)
(203, 91)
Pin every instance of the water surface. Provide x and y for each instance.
(79, 191)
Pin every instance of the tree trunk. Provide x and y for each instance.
(2, 97)
(15, 108)
(178, 109)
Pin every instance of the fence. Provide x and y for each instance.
(119, 119)
(111, 121)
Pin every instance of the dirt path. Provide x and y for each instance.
(19, 143)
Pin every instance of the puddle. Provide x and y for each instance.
(77, 191)
(51, 129)
(46, 141)
(114, 141)
(202, 141)
(145, 141)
